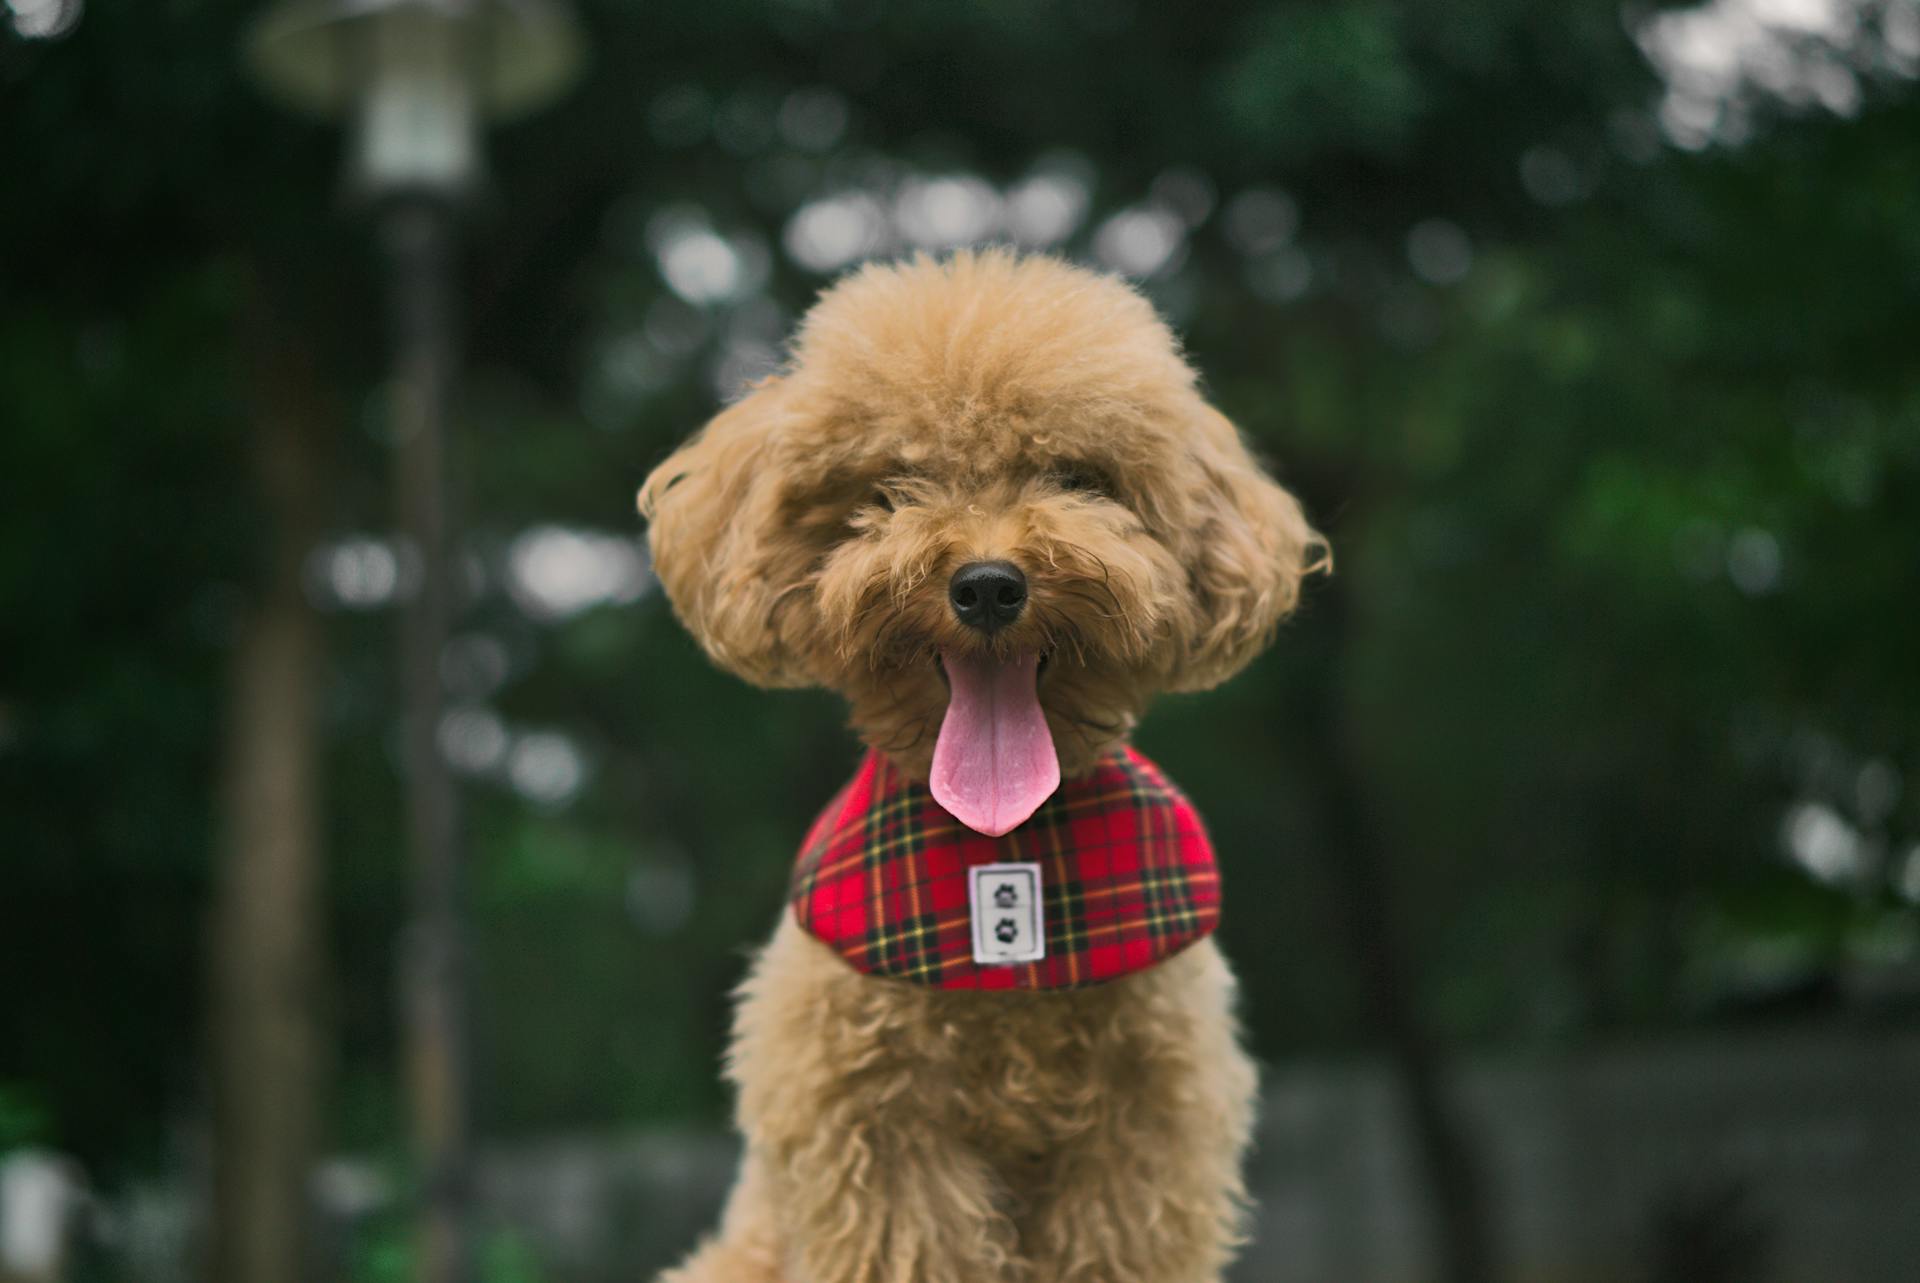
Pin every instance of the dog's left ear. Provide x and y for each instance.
(710, 508)
(1249, 549)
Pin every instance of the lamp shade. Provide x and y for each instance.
(415, 78)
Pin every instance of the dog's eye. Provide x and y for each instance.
(1082, 478)
(893, 491)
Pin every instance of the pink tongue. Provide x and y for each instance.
(994, 763)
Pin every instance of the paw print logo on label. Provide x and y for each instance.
(1005, 905)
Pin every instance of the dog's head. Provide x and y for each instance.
(986, 504)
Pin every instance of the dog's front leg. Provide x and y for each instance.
(1149, 1189)
(848, 1114)
(893, 1201)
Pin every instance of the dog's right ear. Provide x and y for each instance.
(710, 508)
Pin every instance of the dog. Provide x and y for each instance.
(987, 504)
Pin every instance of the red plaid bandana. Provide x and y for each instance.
(1126, 873)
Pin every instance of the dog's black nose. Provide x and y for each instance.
(988, 595)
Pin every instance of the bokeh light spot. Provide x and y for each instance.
(1753, 561)
(941, 213)
(660, 894)
(554, 572)
(813, 119)
(473, 740)
(1439, 252)
(826, 235)
(546, 767)
(1550, 176)
(44, 19)
(700, 267)
(1822, 843)
(359, 572)
(1282, 276)
(1141, 242)
(1045, 208)
(1261, 219)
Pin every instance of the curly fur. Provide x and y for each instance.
(936, 413)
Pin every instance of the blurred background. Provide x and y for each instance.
(1571, 830)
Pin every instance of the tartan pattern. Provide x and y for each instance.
(1127, 874)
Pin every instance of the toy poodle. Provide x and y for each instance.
(992, 1039)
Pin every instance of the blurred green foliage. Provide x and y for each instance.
(22, 1119)
(1618, 444)
(384, 1254)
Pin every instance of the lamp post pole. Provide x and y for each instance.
(417, 79)
(418, 238)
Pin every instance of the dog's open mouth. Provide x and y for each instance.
(994, 762)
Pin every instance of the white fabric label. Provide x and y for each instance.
(1005, 899)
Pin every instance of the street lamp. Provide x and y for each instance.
(415, 80)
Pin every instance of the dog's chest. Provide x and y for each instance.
(1026, 1075)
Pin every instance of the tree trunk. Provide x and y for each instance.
(1357, 857)
(265, 948)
